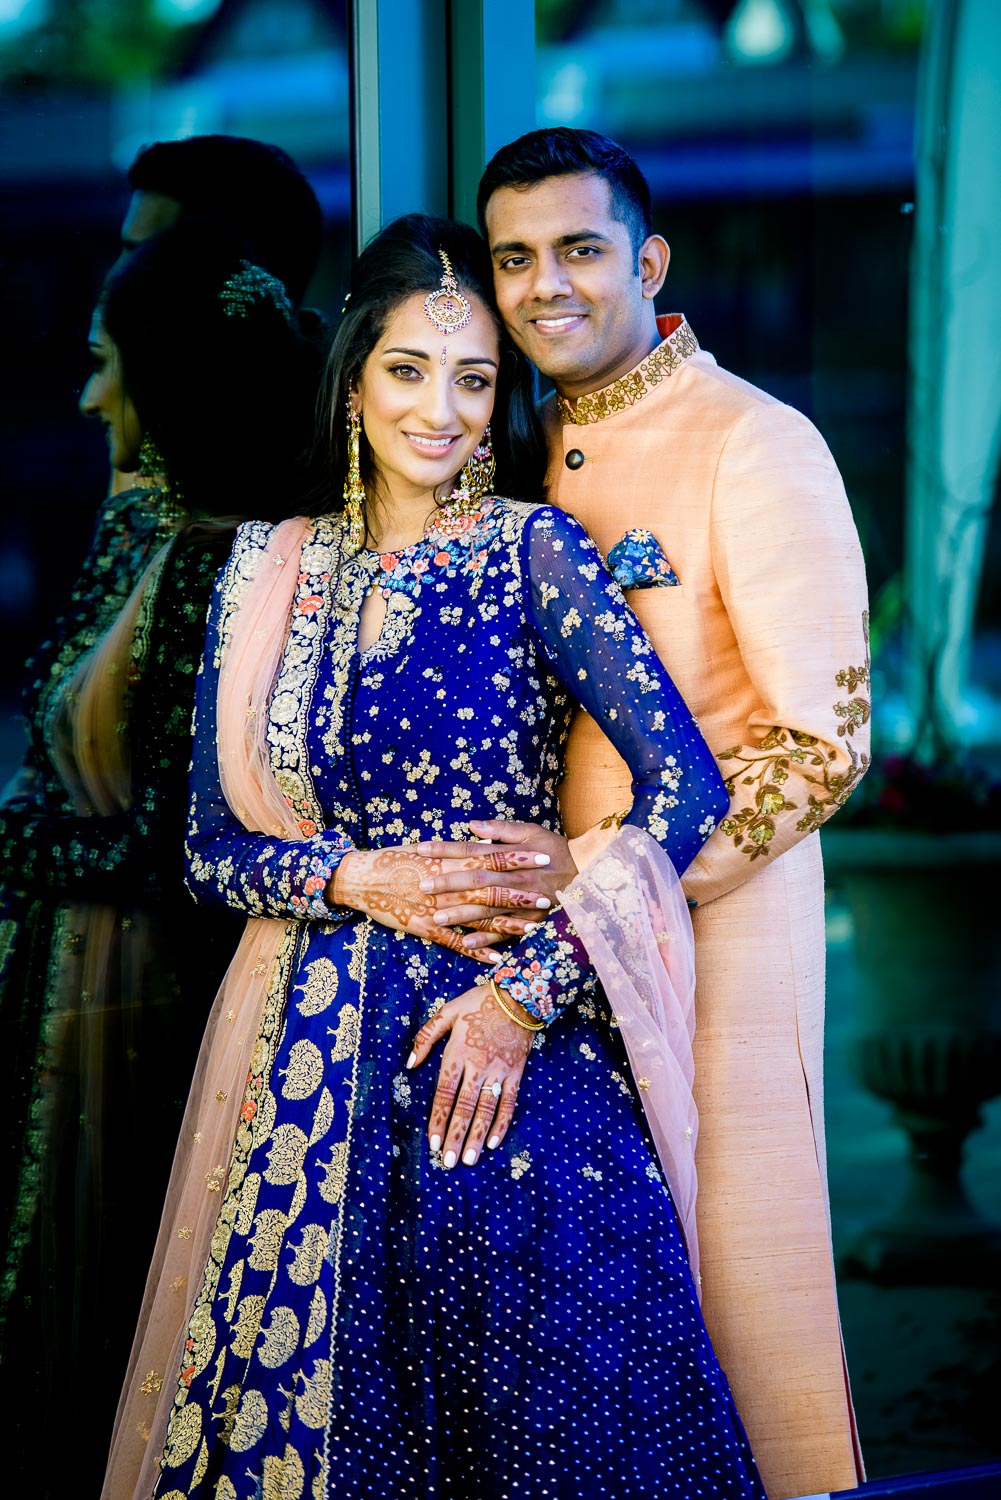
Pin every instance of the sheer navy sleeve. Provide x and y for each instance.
(593, 643)
(226, 865)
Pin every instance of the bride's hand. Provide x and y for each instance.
(478, 1080)
(385, 884)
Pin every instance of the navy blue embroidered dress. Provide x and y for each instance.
(372, 1324)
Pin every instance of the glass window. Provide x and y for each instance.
(83, 88)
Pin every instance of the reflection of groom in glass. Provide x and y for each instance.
(722, 514)
(251, 186)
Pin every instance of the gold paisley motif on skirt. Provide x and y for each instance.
(320, 987)
(311, 1402)
(247, 1326)
(266, 1240)
(251, 1422)
(280, 1338)
(348, 1030)
(304, 1073)
(286, 1153)
(324, 1117)
(332, 1187)
(309, 1255)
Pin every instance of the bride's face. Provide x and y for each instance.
(105, 397)
(423, 417)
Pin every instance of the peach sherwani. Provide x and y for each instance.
(758, 610)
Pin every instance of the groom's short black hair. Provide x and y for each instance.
(252, 185)
(561, 152)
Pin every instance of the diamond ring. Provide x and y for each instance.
(495, 1089)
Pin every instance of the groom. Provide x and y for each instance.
(724, 518)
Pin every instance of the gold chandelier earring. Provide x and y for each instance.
(354, 489)
(152, 464)
(477, 476)
(165, 496)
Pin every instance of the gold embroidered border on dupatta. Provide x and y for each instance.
(241, 1029)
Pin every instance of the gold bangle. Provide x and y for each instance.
(505, 1006)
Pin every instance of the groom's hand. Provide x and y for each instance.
(478, 899)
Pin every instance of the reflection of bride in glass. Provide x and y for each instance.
(101, 1006)
(374, 1275)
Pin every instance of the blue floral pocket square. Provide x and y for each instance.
(637, 562)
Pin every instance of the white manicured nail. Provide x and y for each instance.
(493, 1143)
(411, 1059)
(450, 1158)
(436, 1143)
(542, 859)
(470, 1158)
(543, 903)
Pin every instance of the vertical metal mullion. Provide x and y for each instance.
(399, 111)
(492, 88)
(436, 87)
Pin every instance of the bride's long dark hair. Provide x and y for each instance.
(401, 261)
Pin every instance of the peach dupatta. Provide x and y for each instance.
(631, 915)
(192, 1240)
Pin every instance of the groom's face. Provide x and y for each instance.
(567, 280)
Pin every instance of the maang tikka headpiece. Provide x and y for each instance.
(447, 309)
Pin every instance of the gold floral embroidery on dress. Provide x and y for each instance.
(313, 1396)
(319, 987)
(768, 768)
(355, 580)
(520, 1164)
(397, 625)
(659, 365)
(305, 1071)
(245, 561)
(291, 701)
(202, 1332)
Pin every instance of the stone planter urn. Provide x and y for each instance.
(927, 935)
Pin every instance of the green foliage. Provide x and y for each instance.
(555, 19)
(94, 44)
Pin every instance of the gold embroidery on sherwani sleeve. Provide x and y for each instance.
(838, 786)
(766, 770)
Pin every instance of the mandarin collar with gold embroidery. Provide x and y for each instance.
(659, 365)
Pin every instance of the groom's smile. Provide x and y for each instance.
(568, 280)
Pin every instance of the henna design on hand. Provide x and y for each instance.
(505, 1111)
(484, 1048)
(393, 886)
(444, 1097)
(513, 925)
(496, 861)
(490, 1035)
(462, 1114)
(496, 895)
(385, 885)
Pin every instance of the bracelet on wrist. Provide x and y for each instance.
(512, 1010)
